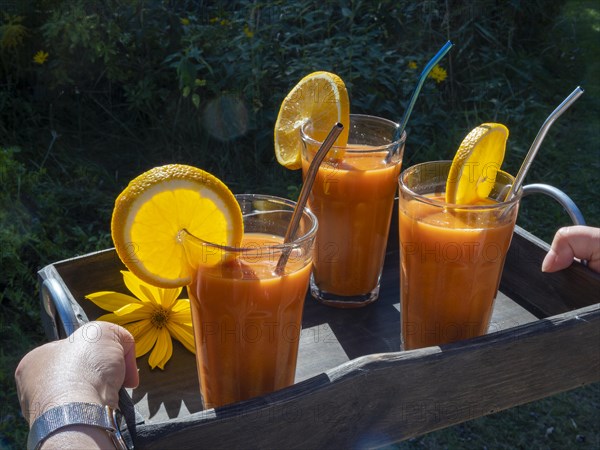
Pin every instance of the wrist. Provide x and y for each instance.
(78, 436)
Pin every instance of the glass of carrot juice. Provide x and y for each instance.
(451, 256)
(246, 313)
(353, 197)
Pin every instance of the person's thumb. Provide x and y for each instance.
(573, 242)
(132, 377)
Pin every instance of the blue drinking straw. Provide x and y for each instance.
(430, 65)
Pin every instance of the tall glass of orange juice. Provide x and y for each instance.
(451, 256)
(353, 196)
(247, 314)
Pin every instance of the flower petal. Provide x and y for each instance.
(132, 308)
(137, 287)
(181, 312)
(163, 350)
(115, 319)
(181, 304)
(128, 314)
(183, 334)
(168, 297)
(111, 301)
(145, 336)
(152, 293)
(169, 348)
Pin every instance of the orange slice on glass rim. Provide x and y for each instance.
(153, 209)
(473, 171)
(320, 97)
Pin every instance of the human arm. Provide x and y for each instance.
(577, 241)
(90, 366)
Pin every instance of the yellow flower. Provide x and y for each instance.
(40, 57)
(248, 32)
(152, 318)
(438, 73)
(184, 21)
(412, 65)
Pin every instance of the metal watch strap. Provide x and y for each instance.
(80, 413)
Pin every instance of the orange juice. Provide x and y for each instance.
(353, 200)
(247, 322)
(353, 196)
(451, 257)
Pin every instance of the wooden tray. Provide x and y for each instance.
(354, 388)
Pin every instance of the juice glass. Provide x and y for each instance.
(353, 196)
(451, 257)
(247, 315)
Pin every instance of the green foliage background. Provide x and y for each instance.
(130, 84)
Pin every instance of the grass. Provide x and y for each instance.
(79, 143)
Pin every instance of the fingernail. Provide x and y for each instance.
(548, 260)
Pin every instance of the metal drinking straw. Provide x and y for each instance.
(535, 146)
(305, 191)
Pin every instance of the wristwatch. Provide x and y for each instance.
(80, 413)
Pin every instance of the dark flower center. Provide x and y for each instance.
(160, 317)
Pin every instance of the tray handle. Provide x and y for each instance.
(58, 308)
(563, 199)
